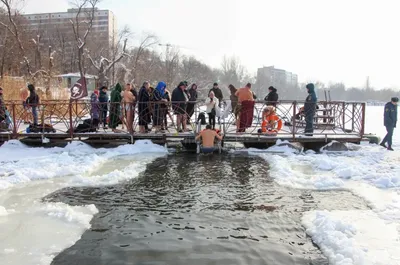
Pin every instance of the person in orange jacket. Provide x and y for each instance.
(271, 123)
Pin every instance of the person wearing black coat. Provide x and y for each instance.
(390, 122)
(143, 107)
(103, 100)
(272, 96)
(33, 102)
(179, 101)
(192, 92)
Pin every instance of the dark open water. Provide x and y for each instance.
(189, 210)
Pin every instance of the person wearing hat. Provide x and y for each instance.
(272, 96)
(179, 102)
(309, 109)
(390, 121)
(33, 101)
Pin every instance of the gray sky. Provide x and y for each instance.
(327, 40)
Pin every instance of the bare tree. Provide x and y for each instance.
(233, 72)
(14, 30)
(84, 16)
(146, 42)
(104, 65)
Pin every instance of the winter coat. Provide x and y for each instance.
(234, 101)
(179, 100)
(272, 98)
(390, 115)
(210, 105)
(33, 99)
(217, 93)
(2, 109)
(95, 107)
(311, 101)
(115, 110)
(192, 95)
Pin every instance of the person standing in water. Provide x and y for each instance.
(390, 122)
(207, 139)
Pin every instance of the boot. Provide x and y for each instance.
(383, 144)
(390, 148)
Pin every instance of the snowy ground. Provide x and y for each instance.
(33, 232)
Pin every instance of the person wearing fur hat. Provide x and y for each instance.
(390, 122)
(33, 102)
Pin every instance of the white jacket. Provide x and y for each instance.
(210, 105)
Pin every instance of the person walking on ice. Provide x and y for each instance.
(390, 121)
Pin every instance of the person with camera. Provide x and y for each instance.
(212, 104)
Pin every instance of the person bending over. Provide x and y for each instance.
(207, 139)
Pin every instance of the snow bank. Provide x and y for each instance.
(81, 215)
(36, 232)
(349, 237)
(353, 237)
(22, 164)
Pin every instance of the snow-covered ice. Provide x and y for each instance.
(34, 232)
(371, 172)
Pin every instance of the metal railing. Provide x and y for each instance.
(65, 117)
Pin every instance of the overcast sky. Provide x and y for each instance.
(327, 40)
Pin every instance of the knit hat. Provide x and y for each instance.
(215, 84)
(395, 99)
(31, 87)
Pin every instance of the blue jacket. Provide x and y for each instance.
(390, 115)
(311, 101)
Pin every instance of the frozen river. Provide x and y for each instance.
(105, 205)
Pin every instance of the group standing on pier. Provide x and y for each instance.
(154, 107)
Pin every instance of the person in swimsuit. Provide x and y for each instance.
(128, 99)
(207, 138)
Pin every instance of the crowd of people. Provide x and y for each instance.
(155, 105)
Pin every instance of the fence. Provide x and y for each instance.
(64, 117)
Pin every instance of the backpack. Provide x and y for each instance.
(202, 118)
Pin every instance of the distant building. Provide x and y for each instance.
(55, 29)
(270, 76)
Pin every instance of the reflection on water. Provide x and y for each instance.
(188, 209)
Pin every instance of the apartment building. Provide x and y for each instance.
(55, 29)
(279, 78)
